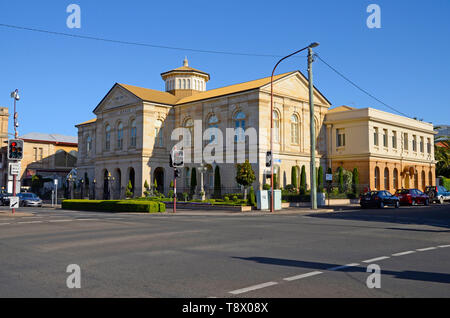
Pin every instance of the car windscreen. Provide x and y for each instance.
(404, 191)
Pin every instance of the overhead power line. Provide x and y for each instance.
(94, 38)
(358, 87)
(87, 37)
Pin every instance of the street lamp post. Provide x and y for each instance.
(202, 169)
(95, 181)
(309, 47)
(312, 131)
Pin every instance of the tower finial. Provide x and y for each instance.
(185, 62)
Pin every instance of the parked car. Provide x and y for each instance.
(412, 197)
(29, 199)
(437, 194)
(4, 198)
(379, 199)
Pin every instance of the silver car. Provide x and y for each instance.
(29, 199)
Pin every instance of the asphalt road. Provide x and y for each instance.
(216, 254)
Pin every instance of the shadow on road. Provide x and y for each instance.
(438, 216)
(411, 275)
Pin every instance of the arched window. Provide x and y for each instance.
(187, 177)
(377, 178)
(416, 180)
(88, 144)
(395, 179)
(184, 83)
(159, 134)
(294, 130)
(276, 126)
(213, 126)
(239, 124)
(188, 84)
(386, 179)
(189, 137)
(133, 133)
(107, 137)
(120, 136)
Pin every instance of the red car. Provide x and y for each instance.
(412, 197)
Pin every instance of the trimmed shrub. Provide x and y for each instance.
(217, 183)
(303, 181)
(252, 198)
(320, 179)
(114, 205)
(294, 177)
(266, 186)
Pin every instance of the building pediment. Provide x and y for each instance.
(296, 85)
(115, 98)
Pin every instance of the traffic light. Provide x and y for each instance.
(176, 173)
(269, 159)
(170, 161)
(15, 149)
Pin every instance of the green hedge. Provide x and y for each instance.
(446, 183)
(114, 206)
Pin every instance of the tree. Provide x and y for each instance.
(245, 175)
(193, 180)
(303, 181)
(147, 189)
(294, 177)
(442, 157)
(252, 200)
(320, 179)
(128, 192)
(217, 183)
(341, 179)
(355, 181)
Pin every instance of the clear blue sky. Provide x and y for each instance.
(61, 80)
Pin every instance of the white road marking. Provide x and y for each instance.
(86, 219)
(403, 253)
(426, 249)
(4, 223)
(59, 221)
(255, 287)
(114, 218)
(342, 267)
(376, 259)
(302, 276)
(31, 222)
(444, 246)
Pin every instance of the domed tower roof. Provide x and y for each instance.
(185, 81)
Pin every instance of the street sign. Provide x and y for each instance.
(269, 159)
(178, 158)
(13, 202)
(329, 177)
(14, 168)
(56, 182)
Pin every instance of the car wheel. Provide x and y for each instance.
(441, 200)
(397, 204)
(413, 202)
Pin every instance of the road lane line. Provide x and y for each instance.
(251, 288)
(342, 267)
(426, 249)
(403, 253)
(302, 276)
(59, 221)
(30, 222)
(86, 219)
(4, 223)
(444, 246)
(376, 259)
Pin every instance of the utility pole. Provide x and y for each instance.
(312, 131)
(15, 96)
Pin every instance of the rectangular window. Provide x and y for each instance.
(394, 139)
(428, 145)
(405, 141)
(375, 137)
(41, 153)
(414, 143)
(385, 138)
(35, 154)
(421, 145)
(340, 135)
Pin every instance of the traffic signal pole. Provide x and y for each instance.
(16, 135)
(174, 192)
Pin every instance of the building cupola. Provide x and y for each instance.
(185, 81)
